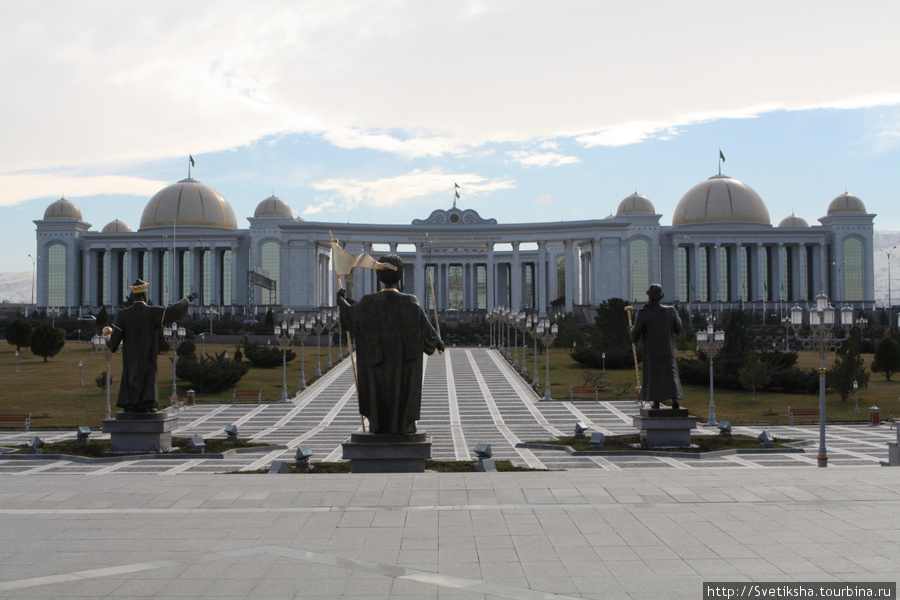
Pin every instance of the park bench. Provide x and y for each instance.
(247, 395)
(583, 392)
(16, 419)
(893, 420)
(177, 403)
(802, 412)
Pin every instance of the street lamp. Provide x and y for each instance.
(533, 326)
(211, 312)
(710, 342)
(514, 321)
(303, 332)
(99, 344)
(17, 361)
(522, 326)
(331, 324)
(890, 303)
(318, 327)
(856, 395)
(173, 334)
(603, 356)
(285, 334)
(547, 333)
(822, 340)
(80, 373)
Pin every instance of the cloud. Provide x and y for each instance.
(541, 159)
(28, 186)
(546, 199)
(413, 78)
(391, 191)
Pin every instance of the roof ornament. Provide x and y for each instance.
(455, 193)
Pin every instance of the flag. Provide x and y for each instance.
(782, 287)
(721, 156)
(693, 289)
(765, 287)
(457, 195)
(344, 262)
(456, 185)
(192, 160)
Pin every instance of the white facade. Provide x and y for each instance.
(720, 248)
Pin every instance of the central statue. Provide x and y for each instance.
(658, 326)
(392, 333)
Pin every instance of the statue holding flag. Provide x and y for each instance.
(392, 333)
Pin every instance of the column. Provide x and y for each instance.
(713, 264)
(491, 277)
(419, 275)
(693, 258)
(515, 279)
(571, 274)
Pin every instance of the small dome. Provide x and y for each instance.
(635, 203)
(116, 226)
(188, 202)
(846, 202)
(793, 221)
(62, 209)
(718, 199)
(273, 206)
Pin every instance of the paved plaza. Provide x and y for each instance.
(605, 527)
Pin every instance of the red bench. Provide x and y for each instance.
(802, 412)
(247, 395)
(583, 392)
(16, 419)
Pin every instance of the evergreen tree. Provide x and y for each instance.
(18, 333)
(848, 367)
(754, 374)
(887, 356)
(47, 340)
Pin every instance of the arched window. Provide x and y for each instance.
(639, 251)
(853, 270)
(56, 275)
(270, 259)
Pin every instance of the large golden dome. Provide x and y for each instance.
(719, 199)
(188, 202)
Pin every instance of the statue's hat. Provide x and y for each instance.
(139, 286)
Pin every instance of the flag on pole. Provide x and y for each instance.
(345, 262)
(192, 160)
(456, 185)
(457, 195)
(721, 156)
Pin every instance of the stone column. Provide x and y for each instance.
(571, 273)
(491, 278)
(515, 279)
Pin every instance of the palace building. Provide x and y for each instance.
(721, 247)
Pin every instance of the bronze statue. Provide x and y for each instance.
(658, 326)
(137, 326)
(392, 332)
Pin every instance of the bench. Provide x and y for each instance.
(247, 395)
(15, 419)
(583, 391)
(801, 412)
(893, 420)
(176, 403)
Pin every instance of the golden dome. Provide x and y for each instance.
(188, 202)
(718, 199)
(62, 209)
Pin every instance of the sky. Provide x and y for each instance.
(373, 111)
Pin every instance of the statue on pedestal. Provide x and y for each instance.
(392, 333)
(658, 326)
(137, 327)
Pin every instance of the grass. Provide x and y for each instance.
(100, 448)
(50, 390)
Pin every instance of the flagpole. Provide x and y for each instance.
(362, 419)
(437, 324)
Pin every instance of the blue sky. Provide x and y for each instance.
(371, 111)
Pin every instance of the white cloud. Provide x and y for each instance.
(19, 188)
(541, 159)
(546, 199)
(94, 82)
(391, 191)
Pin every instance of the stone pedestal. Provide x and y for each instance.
(665, 427)
(385, 453)
(140, 432)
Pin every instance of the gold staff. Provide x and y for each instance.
(637, 372)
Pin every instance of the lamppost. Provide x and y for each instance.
(173, 334)
(822, 340)
(318, 327)
(507, 320)
(514, 322)
(603, 356)
(303, 332)
(99, 344)
(17, 361)
(285, 334)
(32, 284)
(491, 319)
(534, 334)
(890, 303)
(522, 326)
(331, 323)
(547, 333)
(710, 342)
(80, 373)
(211, 312)
(856, 395)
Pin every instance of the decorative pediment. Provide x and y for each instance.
(455, 216)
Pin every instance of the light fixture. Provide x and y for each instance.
(232, 433)
(301, 459)
(580, 428)
(485, 462)
(725, 429)
(483, 451)
(82, 434)
(766, 439)
(35, 445)
(597, 440)
(196, 445)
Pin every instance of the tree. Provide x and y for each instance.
(754, 374)
(210, 374)
(848, 367)
(47, 340)
(609, 335)
(18, 333)
(887, 356)
(102, 317)
(569, 333)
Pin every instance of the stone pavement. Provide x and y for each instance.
(471, 396)
(584, 533)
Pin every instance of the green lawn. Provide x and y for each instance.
(50, 391)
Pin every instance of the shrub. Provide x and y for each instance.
(210, 374)
(18, 333)
(185, 348)
(265, 357)
(887, 357)
(100, 380)
(47, 340)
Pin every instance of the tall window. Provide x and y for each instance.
(703, 273)
(455, 277)
(430, 276)
(481, 286)
(681, 268)
(185, 258)
(227, 270)
(765, 293)
(724, 282)
(270, 258)
(853, 270)
(561, 277)
(785, 291)
(745, 274)
(529, 285)
(640, 268)
(124, 282)
(56, 275)
(207, 298)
